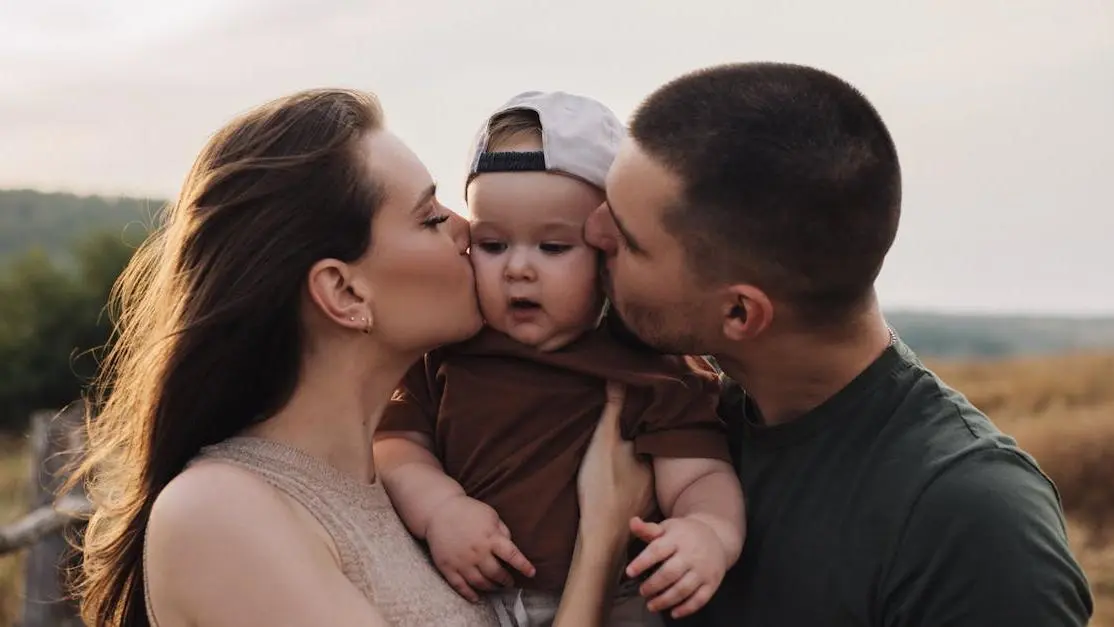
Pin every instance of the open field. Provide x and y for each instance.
(14, 495)
(1061, 409)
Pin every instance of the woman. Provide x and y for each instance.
(262, 329)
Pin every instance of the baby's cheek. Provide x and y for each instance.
(586, 272)
(580, 288)
(487, 283)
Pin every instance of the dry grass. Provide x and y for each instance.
(1060, 409)
(14, 496)
(1035, 387)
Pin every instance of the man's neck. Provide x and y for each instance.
(794, 373)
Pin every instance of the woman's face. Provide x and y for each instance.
(418, 268)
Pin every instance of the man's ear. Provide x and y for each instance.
(747, 312)
(340, 295)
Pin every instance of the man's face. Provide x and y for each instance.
(646, 275)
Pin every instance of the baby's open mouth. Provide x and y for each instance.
(524, 304)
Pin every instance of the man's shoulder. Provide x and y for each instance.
(976, 498)
(989, 483)
(948, 450)
(914, 432)
(932, 416)
(985, 539)
(993, 488)
(976, 466)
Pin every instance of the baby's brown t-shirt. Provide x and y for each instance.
(511, 425)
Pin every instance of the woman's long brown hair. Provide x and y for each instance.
(208, 337)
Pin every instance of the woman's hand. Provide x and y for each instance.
(614, 488)
(613, 485)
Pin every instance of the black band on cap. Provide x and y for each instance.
(511, 162)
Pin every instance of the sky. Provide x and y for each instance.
(1001, 110)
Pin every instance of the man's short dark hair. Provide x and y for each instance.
(790, 181)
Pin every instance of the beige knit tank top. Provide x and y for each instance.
(377, 554)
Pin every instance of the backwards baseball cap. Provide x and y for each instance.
(580, 137)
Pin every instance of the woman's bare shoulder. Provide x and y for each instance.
(223, 545)
(214, 500)
(213, 482)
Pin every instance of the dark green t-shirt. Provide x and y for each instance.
(895, 503)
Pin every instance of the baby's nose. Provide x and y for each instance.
(518, 265)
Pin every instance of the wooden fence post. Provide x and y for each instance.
(54, 440)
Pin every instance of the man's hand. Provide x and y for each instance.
(693, 562)
(467, 540)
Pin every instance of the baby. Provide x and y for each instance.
(486, 437)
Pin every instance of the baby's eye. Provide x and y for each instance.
(493, 248)
(555, 249)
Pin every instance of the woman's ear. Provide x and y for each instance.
(340, 295)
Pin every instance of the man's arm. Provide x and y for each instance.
(986, 545)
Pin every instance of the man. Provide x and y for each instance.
(748, 216)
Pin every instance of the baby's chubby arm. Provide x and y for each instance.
(700, 539)
(465, 536)
(706, 490)
(403, 449)
(413, 477)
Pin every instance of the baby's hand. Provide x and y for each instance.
(693, 562)
(466, 537)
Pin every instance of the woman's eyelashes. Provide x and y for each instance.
(435, 215)
(433, 222)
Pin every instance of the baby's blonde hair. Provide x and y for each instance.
(516, 124)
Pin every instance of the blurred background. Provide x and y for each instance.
(1000, 277)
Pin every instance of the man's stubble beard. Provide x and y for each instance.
(647, 328)
(662, 330)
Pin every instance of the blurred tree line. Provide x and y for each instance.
(53, 323)
(53, 221)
